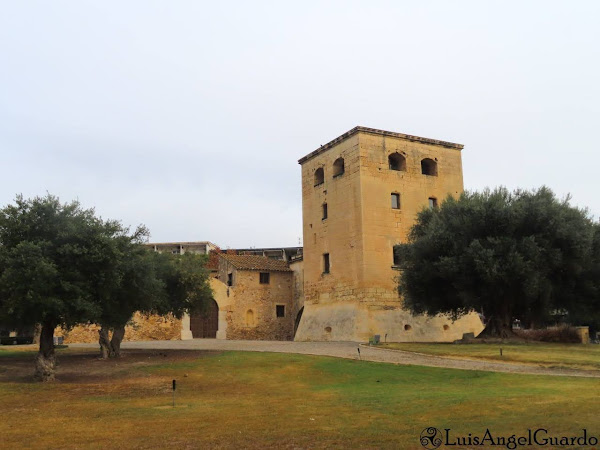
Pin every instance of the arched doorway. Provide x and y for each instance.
(205, 324)
(297, 322)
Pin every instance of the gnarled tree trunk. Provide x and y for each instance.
(111, 348)
(115, 342)
(45, 361)
(105, 348)
(499, 324)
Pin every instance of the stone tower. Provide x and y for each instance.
(360, 195)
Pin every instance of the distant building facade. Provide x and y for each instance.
(179, 248)
(361, 193)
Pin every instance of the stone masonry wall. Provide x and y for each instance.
(358, 297)
(140, 328)
(340, 234)
(261, 299)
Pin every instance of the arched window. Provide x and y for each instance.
(249, 318)
(338, 167)
(319, 176)
(429, 167)
(397, 162)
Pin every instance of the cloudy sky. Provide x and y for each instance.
(189, 116)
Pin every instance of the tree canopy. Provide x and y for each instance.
(60, 264)
(152, 283)
(521, 254)
(53, 259)
(131, 285)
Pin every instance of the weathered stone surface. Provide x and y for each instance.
(253, 314)
(140, 328)
(358, 297)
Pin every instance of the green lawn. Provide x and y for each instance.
(574, 356)
(266, 400)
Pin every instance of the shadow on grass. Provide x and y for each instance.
(84, 366)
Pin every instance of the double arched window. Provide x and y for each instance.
(397, 162)
(338, 170)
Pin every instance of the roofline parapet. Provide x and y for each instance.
(375, 131)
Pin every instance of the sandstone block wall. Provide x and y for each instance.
(340, 234)
(253, 314)
(358, 297)
(141, 328)
(383, 226)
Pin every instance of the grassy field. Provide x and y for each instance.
(574, 356)
(269, 400)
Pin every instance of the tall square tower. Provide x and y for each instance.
(360, 196)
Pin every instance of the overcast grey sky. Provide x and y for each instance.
(190, 116)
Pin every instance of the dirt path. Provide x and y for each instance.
(350, 350)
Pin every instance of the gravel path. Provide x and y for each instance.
(349, 350)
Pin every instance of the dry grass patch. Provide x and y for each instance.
(269, 400)
(571, 356)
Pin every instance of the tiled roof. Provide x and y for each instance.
(213, 260)
(250, 262)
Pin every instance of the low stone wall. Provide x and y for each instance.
(141, 328)
(360, 321)
(269, 331)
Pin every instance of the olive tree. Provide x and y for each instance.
(53, 257)
(521, 254)
(153, 283)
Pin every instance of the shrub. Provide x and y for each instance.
(563, 334)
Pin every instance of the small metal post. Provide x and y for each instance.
(358, 348)
(174, 387)
(500, 351)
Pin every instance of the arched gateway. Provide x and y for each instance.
(205, 324)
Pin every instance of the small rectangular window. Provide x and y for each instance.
(396, 258)
(432, 202)
(395, 201)
(326, 263)
(229, 279)
(280, 310)
(324, 211)
(264, 277)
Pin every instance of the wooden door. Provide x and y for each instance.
(206, 324)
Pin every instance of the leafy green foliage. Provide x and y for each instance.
(53, 258)
(61, 263)
(523, 254)
(131, 282)
(148, 282)
(186, 283)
